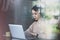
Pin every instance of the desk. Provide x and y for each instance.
(8, 38)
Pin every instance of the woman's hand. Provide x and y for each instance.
(34, 34)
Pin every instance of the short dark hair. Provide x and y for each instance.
(35, 8)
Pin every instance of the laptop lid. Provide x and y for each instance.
(17, 31)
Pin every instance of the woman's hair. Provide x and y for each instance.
(35, 8)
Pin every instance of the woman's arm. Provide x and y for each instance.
(30, 30)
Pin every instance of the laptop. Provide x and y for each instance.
(17, 31)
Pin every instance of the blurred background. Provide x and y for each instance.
(19, 12)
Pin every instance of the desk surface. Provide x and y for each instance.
(8, 38)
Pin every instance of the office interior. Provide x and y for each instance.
(19, 12)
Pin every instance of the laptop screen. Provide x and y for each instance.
(17, 31)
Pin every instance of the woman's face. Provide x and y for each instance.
(35, 14)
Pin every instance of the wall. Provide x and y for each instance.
(14, 12)
(3, 19)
